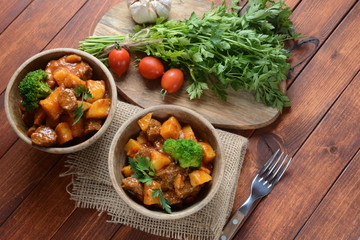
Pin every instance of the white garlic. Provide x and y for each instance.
(147, 11)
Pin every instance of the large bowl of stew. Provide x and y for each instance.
(75, 101)
(166, 162)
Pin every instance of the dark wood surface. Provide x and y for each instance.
(318, 197)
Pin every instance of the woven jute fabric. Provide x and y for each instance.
(92, 188)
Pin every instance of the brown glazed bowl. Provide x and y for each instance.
(204, 130)
(39, 61)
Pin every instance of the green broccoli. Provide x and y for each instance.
(33, 88)
(186, 152)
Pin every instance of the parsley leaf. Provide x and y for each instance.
(164, 202)
(79, 112)
(143, 169)
(84, 93)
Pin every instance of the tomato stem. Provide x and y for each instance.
(163, 93)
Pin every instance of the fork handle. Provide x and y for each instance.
(233, 226)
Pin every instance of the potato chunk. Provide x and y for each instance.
(78, 128)
(126, 171)
(64, 133)
(51, 104)
(144, 121)
(97, 89)
(148, 191)
(99, 109)
(87, 105)
(72, 58)
(170, 128)
(159, 160)
(132, 147)
(64, 77)
(188, 133)
(209, 153)
(198, 177)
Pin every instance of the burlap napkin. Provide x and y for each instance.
(92, 188)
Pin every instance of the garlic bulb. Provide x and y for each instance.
(147, 11)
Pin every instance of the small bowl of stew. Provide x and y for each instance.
(61, 100)
(166, 162)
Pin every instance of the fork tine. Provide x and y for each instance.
(274, 165)
(277, 168)
(269, 162)
(282, 172)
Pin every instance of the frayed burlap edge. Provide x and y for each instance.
(91, 187)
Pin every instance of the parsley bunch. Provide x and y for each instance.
(221, 50)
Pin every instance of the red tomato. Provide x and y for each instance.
(151, 68)
(172, 80)
(119, 60)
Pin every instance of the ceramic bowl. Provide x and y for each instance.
(39, 61)
(203, 130)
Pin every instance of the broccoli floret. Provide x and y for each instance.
(33, 88)
(186, 152)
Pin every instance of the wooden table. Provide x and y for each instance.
(318, 198)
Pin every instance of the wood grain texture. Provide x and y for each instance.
(86, 224)
(10, 10)
(241, 111)
(37, 27)
(129, 233)
(39, 214)
(21, 171)
(308, 100)
(8, 136)
(344, 202)
(309, 22)
(323, 156)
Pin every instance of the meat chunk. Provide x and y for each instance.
(91, 125)
(153, 131)
(144, 152)
(187, 190)
(72, 63)
(44, 136)
(133, 185)
(31, 130)
(167, 175)
(67, 100)
(28, 118)
(173, 198)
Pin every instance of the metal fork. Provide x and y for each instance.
(262, 184)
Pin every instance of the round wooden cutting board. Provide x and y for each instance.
(241, 111)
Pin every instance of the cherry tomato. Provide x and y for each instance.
(119, 61)
(172, 80)
(151, 68)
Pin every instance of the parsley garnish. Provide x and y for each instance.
(84, 93)
(143, 169)
(164, 202)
